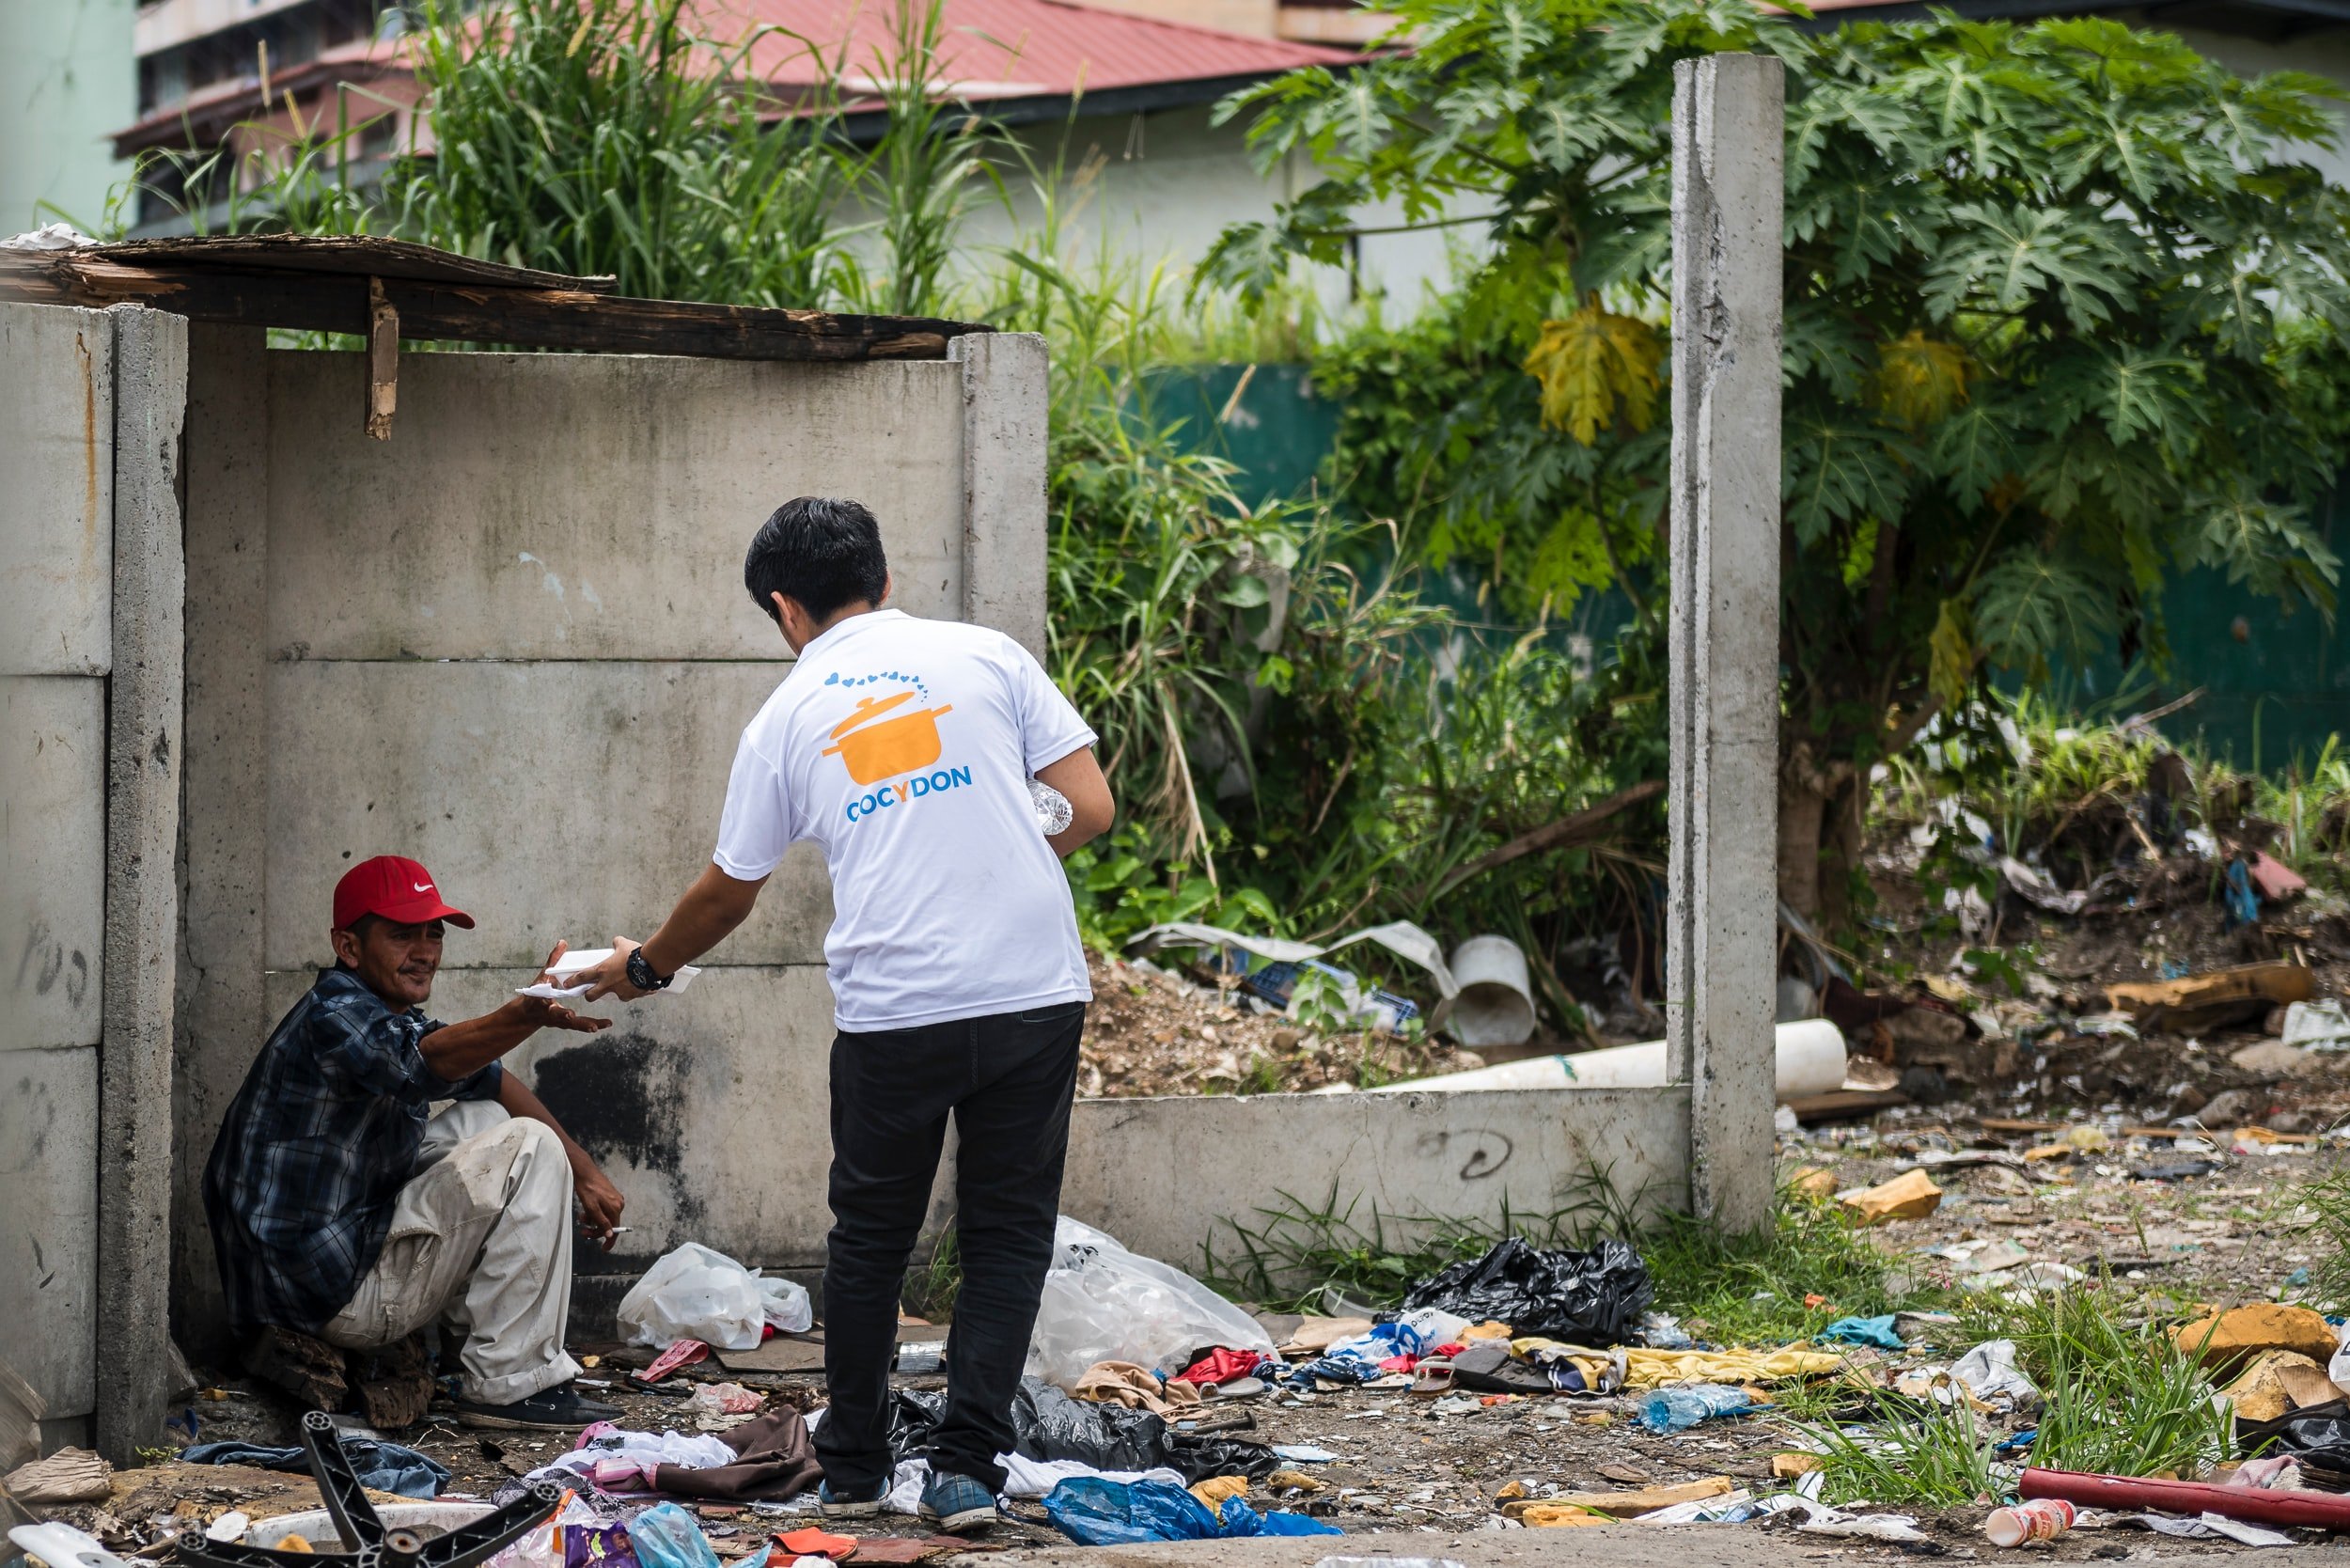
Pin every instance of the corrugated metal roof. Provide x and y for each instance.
(990, 50)
(996, 49)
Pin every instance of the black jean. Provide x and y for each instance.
(1008, 1080)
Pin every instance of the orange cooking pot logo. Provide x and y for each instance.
(874, 747)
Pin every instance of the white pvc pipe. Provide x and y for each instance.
(1810, 1061)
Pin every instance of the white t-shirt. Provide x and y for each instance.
(904, 747)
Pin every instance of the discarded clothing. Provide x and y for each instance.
(1360, 1358)
(1653, 1368)
(1123, 1383)
(384, 1467)
(1095, 1513)
(598, 1547)
(1221, 1366)
(618, 1460)
(770, 1457)
(1594, 1297)
(1862, 1331)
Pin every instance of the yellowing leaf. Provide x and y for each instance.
(1590, 362)
(1921, 381)
(1952, 651)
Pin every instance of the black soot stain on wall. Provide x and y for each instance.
(622, 1095)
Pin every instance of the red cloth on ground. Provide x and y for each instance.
(1221, 1366)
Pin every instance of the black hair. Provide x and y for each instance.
(821, 553)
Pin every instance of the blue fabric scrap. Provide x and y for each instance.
(383, 1466)
(1862, 1331)
(1094, 1511)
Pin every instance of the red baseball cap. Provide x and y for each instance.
(399, 889)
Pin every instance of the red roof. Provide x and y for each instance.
(996, 49)
(989, 51)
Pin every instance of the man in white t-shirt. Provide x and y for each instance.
(904, 747)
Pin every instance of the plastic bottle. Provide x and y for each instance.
(2041, 1519)
(1679, 1409)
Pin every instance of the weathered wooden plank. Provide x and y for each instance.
(522, 318)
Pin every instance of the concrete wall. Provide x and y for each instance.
(512, 642)
(56, 561)
(89, 703)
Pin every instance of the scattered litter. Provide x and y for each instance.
(1679, 1409)
(717, 1407)
(2318, 1026)
(2212, 1526)
(1989, 1372)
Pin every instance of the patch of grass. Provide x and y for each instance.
(2327, 1198)
(1812, 1267)
(1283, 1257)
(1907, 1452)
(932, 1288)
(2119, 1398)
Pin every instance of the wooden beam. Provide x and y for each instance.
(1574, 828)
(382, 362)
(470, 313)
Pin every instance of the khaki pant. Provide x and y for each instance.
(480, 1239)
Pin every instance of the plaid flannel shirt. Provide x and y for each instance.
(315, 1149)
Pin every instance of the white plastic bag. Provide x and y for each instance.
(695, 1294)
(1102, 1303)
(788, 1311)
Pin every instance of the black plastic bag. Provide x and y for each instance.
(1046, 1423)
(2318, 1436)
(1586, 1298)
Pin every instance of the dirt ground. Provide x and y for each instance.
(2211, 1219)
(1431, 1468)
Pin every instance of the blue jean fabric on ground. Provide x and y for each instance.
(384, 1467)
(1008, 1080)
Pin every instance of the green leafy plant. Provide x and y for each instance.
(2062, 303)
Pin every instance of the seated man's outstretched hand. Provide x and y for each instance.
(545, 1012)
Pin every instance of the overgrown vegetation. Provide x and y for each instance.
(2061, 305)
(2119, 1398)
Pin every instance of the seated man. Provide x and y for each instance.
(342, 1208)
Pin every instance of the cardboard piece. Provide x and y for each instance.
(2200, 1003)
(1645, 1499)
(1911, 1196)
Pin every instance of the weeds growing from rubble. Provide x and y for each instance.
(2327, 1198)
(2119, 1398)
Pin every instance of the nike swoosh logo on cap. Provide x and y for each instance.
(423, 887)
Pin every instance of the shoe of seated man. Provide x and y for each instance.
(956, 1503)
(559, 1408)
(849, 1503)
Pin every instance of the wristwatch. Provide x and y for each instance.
(640, 973)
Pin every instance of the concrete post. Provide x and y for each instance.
(143, 752)
(1004, 515)
(1722, 916)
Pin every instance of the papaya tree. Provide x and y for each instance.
(2060, 309)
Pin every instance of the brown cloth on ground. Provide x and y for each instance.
(774, 1459)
